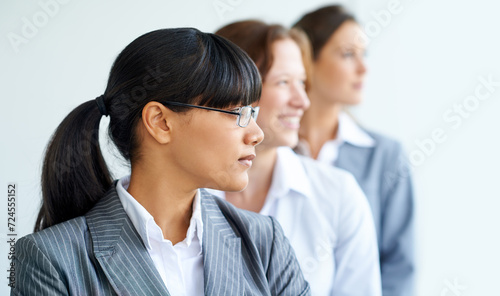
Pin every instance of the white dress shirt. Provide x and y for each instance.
(348, 131)
(329, 226)
(181, 265)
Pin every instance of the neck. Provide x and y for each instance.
(260, 176)
(319, 124)
(158, 191)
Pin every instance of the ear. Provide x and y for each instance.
(157, 121)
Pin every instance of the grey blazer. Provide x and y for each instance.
(383, 173)
(101, 253)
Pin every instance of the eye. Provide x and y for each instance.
(302, 83)
(348, 54)
(282, 82)
(236, 110)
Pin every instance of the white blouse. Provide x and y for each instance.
(330, 227)
(181, 265)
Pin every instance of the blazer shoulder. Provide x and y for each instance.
(70, 236)
(385, 143)
(59, 233)
(59, 244)
(388, 155)
(392, 163)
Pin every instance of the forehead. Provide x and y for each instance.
(349, 34)
(286, 57)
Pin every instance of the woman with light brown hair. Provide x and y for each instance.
(322, 210)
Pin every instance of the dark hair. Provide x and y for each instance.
(319, 25)
(256, 39)
(179, 65)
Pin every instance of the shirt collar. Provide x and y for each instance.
(289, 175)
(196, 222)
(350, 132)
(144, 222)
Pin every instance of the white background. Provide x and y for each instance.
(422, 61)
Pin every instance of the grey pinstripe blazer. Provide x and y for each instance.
(102, 254)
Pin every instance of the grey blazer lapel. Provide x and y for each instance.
(354, 159)
(221, 250)
(120, 251)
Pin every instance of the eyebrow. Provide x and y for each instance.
(285, 74)
(349, 45)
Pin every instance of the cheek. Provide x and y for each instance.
(338, 73)
(336, 78)
(270, 107)
(200, 146)
(219, 147)
(266, 121)
(220, 158)
(268, 118)
(225, 173)
(269, 122)
(272, 98)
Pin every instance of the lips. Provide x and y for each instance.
(358, 86)
(247, 160)
(291, 122)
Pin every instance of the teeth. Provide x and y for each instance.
(292, 120)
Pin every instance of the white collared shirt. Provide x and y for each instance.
(181, 265)
(329, 227)
(348, 131)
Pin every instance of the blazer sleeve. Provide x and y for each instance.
(35, 274)
(284, 273)
(397, 227)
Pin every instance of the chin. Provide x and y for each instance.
(357, 98)
(225, 181)
(236, 188)
(233, 184)
(353, 101)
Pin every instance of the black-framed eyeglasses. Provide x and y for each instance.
(244, 113)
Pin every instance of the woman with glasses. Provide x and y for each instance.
(179, 103)
(329, 135)
(322, 210)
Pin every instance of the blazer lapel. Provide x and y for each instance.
(221, 250)
(354, 159)
(120, 251)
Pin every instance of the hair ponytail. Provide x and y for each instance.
(74, 173)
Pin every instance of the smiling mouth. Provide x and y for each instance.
(291, 122)
(247, 160)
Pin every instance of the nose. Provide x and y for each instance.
(254, 135)
(361, 66)
(299, 98)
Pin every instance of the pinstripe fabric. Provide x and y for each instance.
(102, 254)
